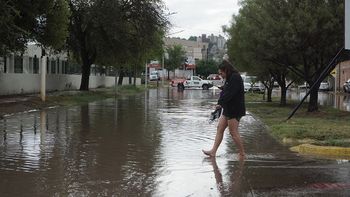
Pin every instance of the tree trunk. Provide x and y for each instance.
(135, 71)
(283, 101)
(313, 105)
(269, 94)
(85, 75)
(130, 78)
(121, 76)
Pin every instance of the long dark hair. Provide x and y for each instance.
(227, 67)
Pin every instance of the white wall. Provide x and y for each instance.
(347, 24)
(13, 83)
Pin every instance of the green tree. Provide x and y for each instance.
(288, 36)
(115, 32)
(177, 57)
(192, 38)
(147, 24)
(206, 68)
(42, 21)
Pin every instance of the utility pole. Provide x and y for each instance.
(163, 68)
(146, 75)
(43, 75)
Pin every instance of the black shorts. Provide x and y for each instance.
(233, 117)
(229, 116)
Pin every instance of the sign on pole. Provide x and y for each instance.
(347, 24)
(334, 72)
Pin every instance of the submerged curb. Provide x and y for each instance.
(322, 150)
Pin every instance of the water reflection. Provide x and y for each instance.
(339, 101)
(148, 145)
(233, 186)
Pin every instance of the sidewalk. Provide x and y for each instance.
(11, 104)
(21, 103)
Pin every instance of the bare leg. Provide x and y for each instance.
(218, 138)
(233, 128)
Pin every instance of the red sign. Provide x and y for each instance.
(190, 66)
(154, 66)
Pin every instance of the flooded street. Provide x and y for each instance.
(150, 145)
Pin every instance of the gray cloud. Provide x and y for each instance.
(195, 17)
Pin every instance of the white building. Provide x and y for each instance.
(29, 62)
(20, 73)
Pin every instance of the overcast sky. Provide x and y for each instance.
(197, 17)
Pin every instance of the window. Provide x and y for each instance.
(5, 64)
(30, 65)
(35, 65)
(18, 64)
(47, 65)
(2, 65)
(63, 67)
(196, 78)
(53, 66)
(58, 66)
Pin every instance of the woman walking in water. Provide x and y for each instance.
(232, 102)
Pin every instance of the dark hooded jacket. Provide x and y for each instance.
(232, 98)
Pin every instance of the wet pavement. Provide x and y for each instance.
(150, 145)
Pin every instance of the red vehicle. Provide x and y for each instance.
(174, 82)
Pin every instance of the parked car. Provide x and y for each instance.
(154, 76)
(214, 77)
(252, 85)
(304, 86)
(346, 86)
(324, 86)
(197, 82)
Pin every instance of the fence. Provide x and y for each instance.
(14, 83)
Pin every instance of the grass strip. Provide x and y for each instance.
(81, 97)
(327, 127)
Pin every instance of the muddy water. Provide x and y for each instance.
(150, 145)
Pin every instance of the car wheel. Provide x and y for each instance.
(205, 87)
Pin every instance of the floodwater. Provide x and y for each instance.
(150, 145)
(338, 101)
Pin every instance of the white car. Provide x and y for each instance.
(324, 86)
(256, 87)
(346, 86)
(196, 82)
(154, 76)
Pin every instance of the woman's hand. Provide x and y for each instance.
(217, 106)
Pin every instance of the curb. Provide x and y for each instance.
(322, 150)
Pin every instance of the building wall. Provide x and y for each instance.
(14, 83)
(28, 80)
(344, 72)
(193, 48)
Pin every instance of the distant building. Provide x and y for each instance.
(342, 74)
(29, 62)
(196, 50)
(216, 46)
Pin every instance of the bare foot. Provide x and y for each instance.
(208, 153)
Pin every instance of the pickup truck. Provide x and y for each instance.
(196, 82)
